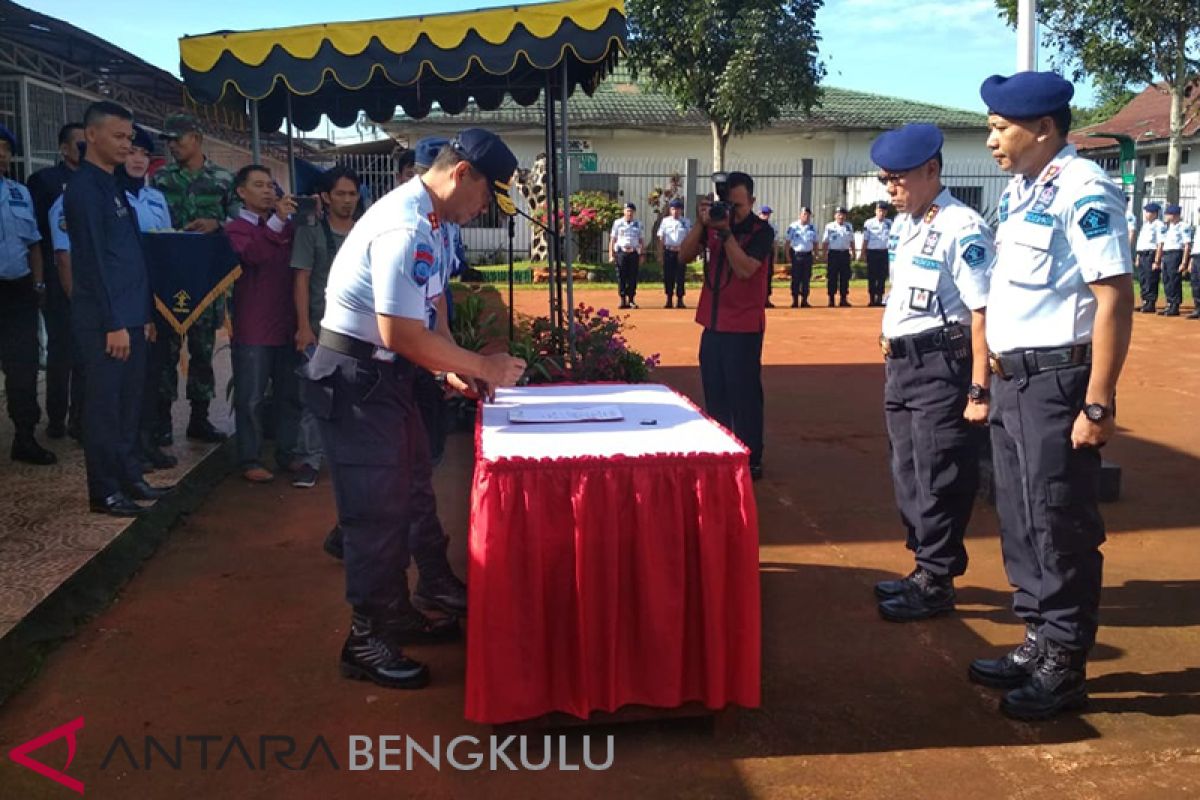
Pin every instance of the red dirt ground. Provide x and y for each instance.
(234, 626)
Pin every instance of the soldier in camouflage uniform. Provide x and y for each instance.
(198, 193)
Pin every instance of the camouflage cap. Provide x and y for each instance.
(177, 125)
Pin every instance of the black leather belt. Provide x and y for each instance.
(1031, 362)
(937, 340)
(355, 348)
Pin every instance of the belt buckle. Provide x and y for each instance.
(996, 366)
(383, 354)
(885, 344)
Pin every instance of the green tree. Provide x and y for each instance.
(1130, 41)
(739, 62)
(1111, 97)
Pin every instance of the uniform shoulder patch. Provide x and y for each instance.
(974, 256)
(1094, 223)
(423, 261)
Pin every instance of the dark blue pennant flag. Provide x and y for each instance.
(188, 272)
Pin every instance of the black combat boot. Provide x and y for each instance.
(443, 593)
(895, 588)
(1058, 684)
(333, 543)
(200, 429)
(26, 448)
(1013, 669)
(927, 595)
(372, 653)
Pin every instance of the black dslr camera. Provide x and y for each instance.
(721, 207)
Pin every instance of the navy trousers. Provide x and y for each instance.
(112, 410)
(838, 272)
(731, 372)
(802, 265)
(1047, 496)
(934, 455)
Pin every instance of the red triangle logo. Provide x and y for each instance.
(20, 754)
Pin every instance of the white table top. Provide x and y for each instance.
(678, 427)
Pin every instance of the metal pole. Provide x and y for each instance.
(291, 154)
(568, 236)
(512, 314)
(255, 139)
(1026, 36)
(551, 205)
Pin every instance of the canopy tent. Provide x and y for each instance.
(296, 74)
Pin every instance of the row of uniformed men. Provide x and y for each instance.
(1167, 250)
(1024, 331)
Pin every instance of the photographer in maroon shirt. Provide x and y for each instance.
(739, 246)
(264, 322)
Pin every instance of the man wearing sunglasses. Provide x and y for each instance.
(359, 386)
(933, 344)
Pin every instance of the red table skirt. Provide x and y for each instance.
(599, 583)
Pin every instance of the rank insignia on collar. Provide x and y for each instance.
(931, 213)
(433, 219)
(1050, 174)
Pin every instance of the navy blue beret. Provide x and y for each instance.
(882, 204)
(631, 206)
(1173, 209)
(9, 137)
(676, 203)
(766, 210)
(1153, 207)
(907, 147)
(1026, 95)
(841, 210)
(142, 139)
(427, 150)
(487, 153)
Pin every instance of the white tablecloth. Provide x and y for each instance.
(678, 427)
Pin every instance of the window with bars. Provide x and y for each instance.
(971, 195)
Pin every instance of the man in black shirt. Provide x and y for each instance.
(64, 384)
(110, 313)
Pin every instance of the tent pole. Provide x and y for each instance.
(291, 154)
(512, 314)
(552, 206)
(255, 140)
(568, 235)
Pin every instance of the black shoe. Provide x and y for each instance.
(632, 304)
(26, 448)
(371, 653)
(56, 430)
(679, 303)
(795, 303)
(844, 303)
(333, 543)
(1171, 311)
(1058, 684)
(164, 438)
(756, 472)
(154, 458)
(144, 491)
(670, 303)
(116, 504)
(407, 626)
(623, 304)
(805, 304)
(445, 593)
(1011, 670)
(1195, 314)
(895, 588)
(928, 595)
(201, 430)
(832, 302)
(1148, 308)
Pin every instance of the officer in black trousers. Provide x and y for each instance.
(1058, 326)
(359, 386)
(110, 313)
(937, 374)
(21, 289)
(64, 380)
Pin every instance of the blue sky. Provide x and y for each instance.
(928, 50)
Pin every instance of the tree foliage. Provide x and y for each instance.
(739, 62)
(1129, 42)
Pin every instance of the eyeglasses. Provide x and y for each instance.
(889, 178)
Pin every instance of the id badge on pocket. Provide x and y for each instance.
(920, 299)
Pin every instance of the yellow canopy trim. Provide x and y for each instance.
(446, 31)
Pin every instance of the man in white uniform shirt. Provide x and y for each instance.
(1149, 256)
(625, 244)
(801, 237)
(1176, 239)
(1058, 326)
(937, 370)
(876, 234)
(838, 240)
(671, 233)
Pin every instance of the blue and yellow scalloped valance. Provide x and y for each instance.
(412, 62)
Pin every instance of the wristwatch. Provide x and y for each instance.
(39, 287)
(977, 393)
(1096, 412)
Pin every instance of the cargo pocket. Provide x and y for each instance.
(1032, 266)
(1072, 515)
(955, 462)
